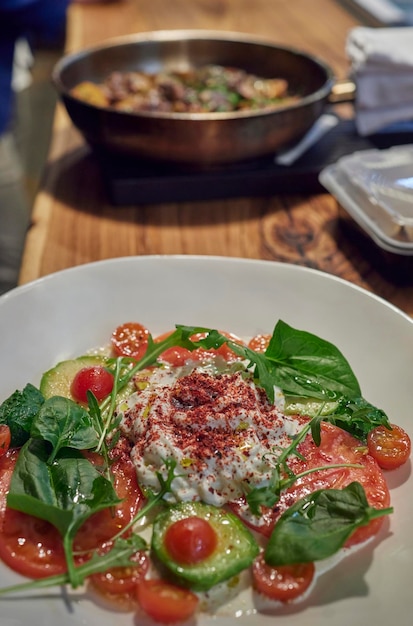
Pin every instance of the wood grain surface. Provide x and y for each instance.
(74, 222)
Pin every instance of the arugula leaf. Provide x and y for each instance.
(18, 412)
(64, 424)
(318, 525)
(118, 556)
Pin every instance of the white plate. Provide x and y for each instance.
(62, 315)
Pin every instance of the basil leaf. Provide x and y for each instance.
(318, 525)
(65, 492)
(307, 362)
(64, 424)
(19, 411)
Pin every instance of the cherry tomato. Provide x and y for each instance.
(190, 540)
(390, 448)
(164, 602)
(259, 343)
(5, 438)
(130, 339)
(160, 338)
(224, 351)
(100, 527)
(176, 356)
(121, 580)
(96, 379)
(31, 546)
(281, 582)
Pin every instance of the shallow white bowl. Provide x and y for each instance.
(64, 314)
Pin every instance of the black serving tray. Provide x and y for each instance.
(131, 182)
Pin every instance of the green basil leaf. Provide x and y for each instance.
(65, 492)
(305, 361)
(318, 525)
(64, 424)
(19, 411)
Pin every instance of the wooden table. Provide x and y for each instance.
(74, 222)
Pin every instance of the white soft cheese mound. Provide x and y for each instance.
(220, 429)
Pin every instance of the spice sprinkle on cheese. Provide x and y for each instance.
(219, 427)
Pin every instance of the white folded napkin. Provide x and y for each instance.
(382, 68)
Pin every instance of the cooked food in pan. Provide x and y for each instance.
(208, 89)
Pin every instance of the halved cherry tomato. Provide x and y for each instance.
(121, 580)
(259, 343)
(96, 379)
(390, 448)
(100, 527)
(164, 602)
(5, 438)
(31, 546)
(130, 339)
(224, 351)
(337, 447)
(190, 540)
(176, 356)
(281, 582)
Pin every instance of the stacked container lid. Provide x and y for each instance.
(376, 188)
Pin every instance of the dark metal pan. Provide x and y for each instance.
(196, 138)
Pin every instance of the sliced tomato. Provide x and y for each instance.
(31, 546)
(390, 448)
(100, 527)
(164, 602)
(190, 540)
(259, 343)
(5, 438)
(121, 580)
(337, 447)
(96, 379)
(7, 463)
(28, 545)
(130, 339)
(282, 582)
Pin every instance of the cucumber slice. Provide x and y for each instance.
(57, 381)
(236, 547)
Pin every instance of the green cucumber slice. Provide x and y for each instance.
(58, 380)
(236, 547)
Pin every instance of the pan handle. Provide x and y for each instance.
(343, 90)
